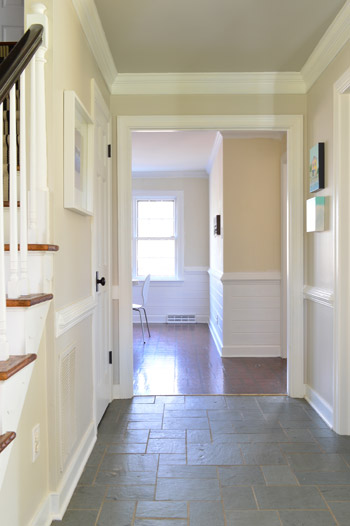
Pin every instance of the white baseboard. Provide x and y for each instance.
(116, 391)
(55, 505)
(162, 318)
(216, 337)
(251, 351)
(319, 404)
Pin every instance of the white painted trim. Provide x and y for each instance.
(92, 26)
(293, 124)
(191, 270)
(115, 292)
(67, 317)
(341, 218)
(55, 505)
(214, 152)
(319, 404)
(328, 47)
(216, 274)
(251, 276)
(321, 296)
(208, 83)
(216, 337)
(164, 174)
(116, 391)
(251, 351)
(274, 135)
(162, 318)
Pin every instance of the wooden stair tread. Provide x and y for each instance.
(29, 300)
(36, 247)
(6, 439)
(7, 204)
(14, 364)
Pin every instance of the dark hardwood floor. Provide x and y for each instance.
(182, 359)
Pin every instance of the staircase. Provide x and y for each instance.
(26, 258)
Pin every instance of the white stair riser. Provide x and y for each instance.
(25, 327)
(40, 271)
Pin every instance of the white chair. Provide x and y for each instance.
(138, 308)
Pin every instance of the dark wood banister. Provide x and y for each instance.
(18, 59)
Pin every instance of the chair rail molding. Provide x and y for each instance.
(69, 316)
(317, 295)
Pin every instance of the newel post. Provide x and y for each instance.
(39, 192)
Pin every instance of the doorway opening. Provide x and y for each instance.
(292, 125)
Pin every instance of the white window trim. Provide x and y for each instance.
(178, 196)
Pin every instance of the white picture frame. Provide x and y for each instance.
(78, 152)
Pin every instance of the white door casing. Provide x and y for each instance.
(102, 254)
(293, 125)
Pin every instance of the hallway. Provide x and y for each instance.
(213, 461)
(182, 359)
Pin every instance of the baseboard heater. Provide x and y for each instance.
(181, 318)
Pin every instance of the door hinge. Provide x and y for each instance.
(109, 150)
(110, 359)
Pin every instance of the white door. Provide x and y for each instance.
(102, 269)
(11, 20)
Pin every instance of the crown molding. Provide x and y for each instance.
(92, 27)
(328, 47)
(207, 83)
(164, 174)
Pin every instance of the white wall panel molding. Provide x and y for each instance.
(208, 83)
(67, 317)
(322, 296)
(180, 174)
(251, 276)
(336, 36)
(322, 408)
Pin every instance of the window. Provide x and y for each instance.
(158, 239)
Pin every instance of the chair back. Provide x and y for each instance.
(145, 289)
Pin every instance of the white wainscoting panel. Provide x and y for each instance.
(216, 324)
(252, 314)
(190, 296)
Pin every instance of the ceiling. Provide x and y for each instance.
(192, 36)
(188, 152)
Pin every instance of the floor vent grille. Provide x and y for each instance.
(181, 318)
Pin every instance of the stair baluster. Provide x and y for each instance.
(4, 347)
(24, 284)
(13, 284)
(32, 166)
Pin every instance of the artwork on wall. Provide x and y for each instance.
(316, 167)
(78, 149)
(315, 214)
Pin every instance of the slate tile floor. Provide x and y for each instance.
(213, 461)
(182, 359)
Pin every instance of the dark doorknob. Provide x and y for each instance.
(101, 281)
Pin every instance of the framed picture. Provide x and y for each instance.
(316, 167)
(78, 151)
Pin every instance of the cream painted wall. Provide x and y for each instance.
(196, 213)
(252, 205)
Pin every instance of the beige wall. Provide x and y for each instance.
(196, 214)
(252, 205)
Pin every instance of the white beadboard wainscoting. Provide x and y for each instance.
(248, 321)
(319, 353)
(190, 296)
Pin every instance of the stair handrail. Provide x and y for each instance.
(19, 57)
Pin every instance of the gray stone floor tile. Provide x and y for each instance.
(96, 455)
(188, 489)
(185, 423)
(341, 512)
(220, 426)
(206, 514)
(323, 433)
(323, 478)
(240, 476)
(300, 435)
(346, 457)
(131, 492)
(136, 417)
(300, 447)
(161, 522)
(337, 493)
(198, 436)
(170, 400)
(187, 472)
(307, 518)
(77, 518)
(262, 454)
(205, 402)
(252, 518)
(116, 513)
(289, 423)
(214, 454)
(161, 510)
(335, 444)
(87, 476)
(167, 459)
(288, 497)
(115, 478)
(231, 438)
(230, 415)
(145, 425)
(279, 475)
(145, 409)
(316, 462)
(130, 436)
(136, 462)
(238, 498)
(126, 448)
(253, 428)
(87, 497)
(183, 413)
(167, 445)
(144, 399)
(167, 433)
(242, 403)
